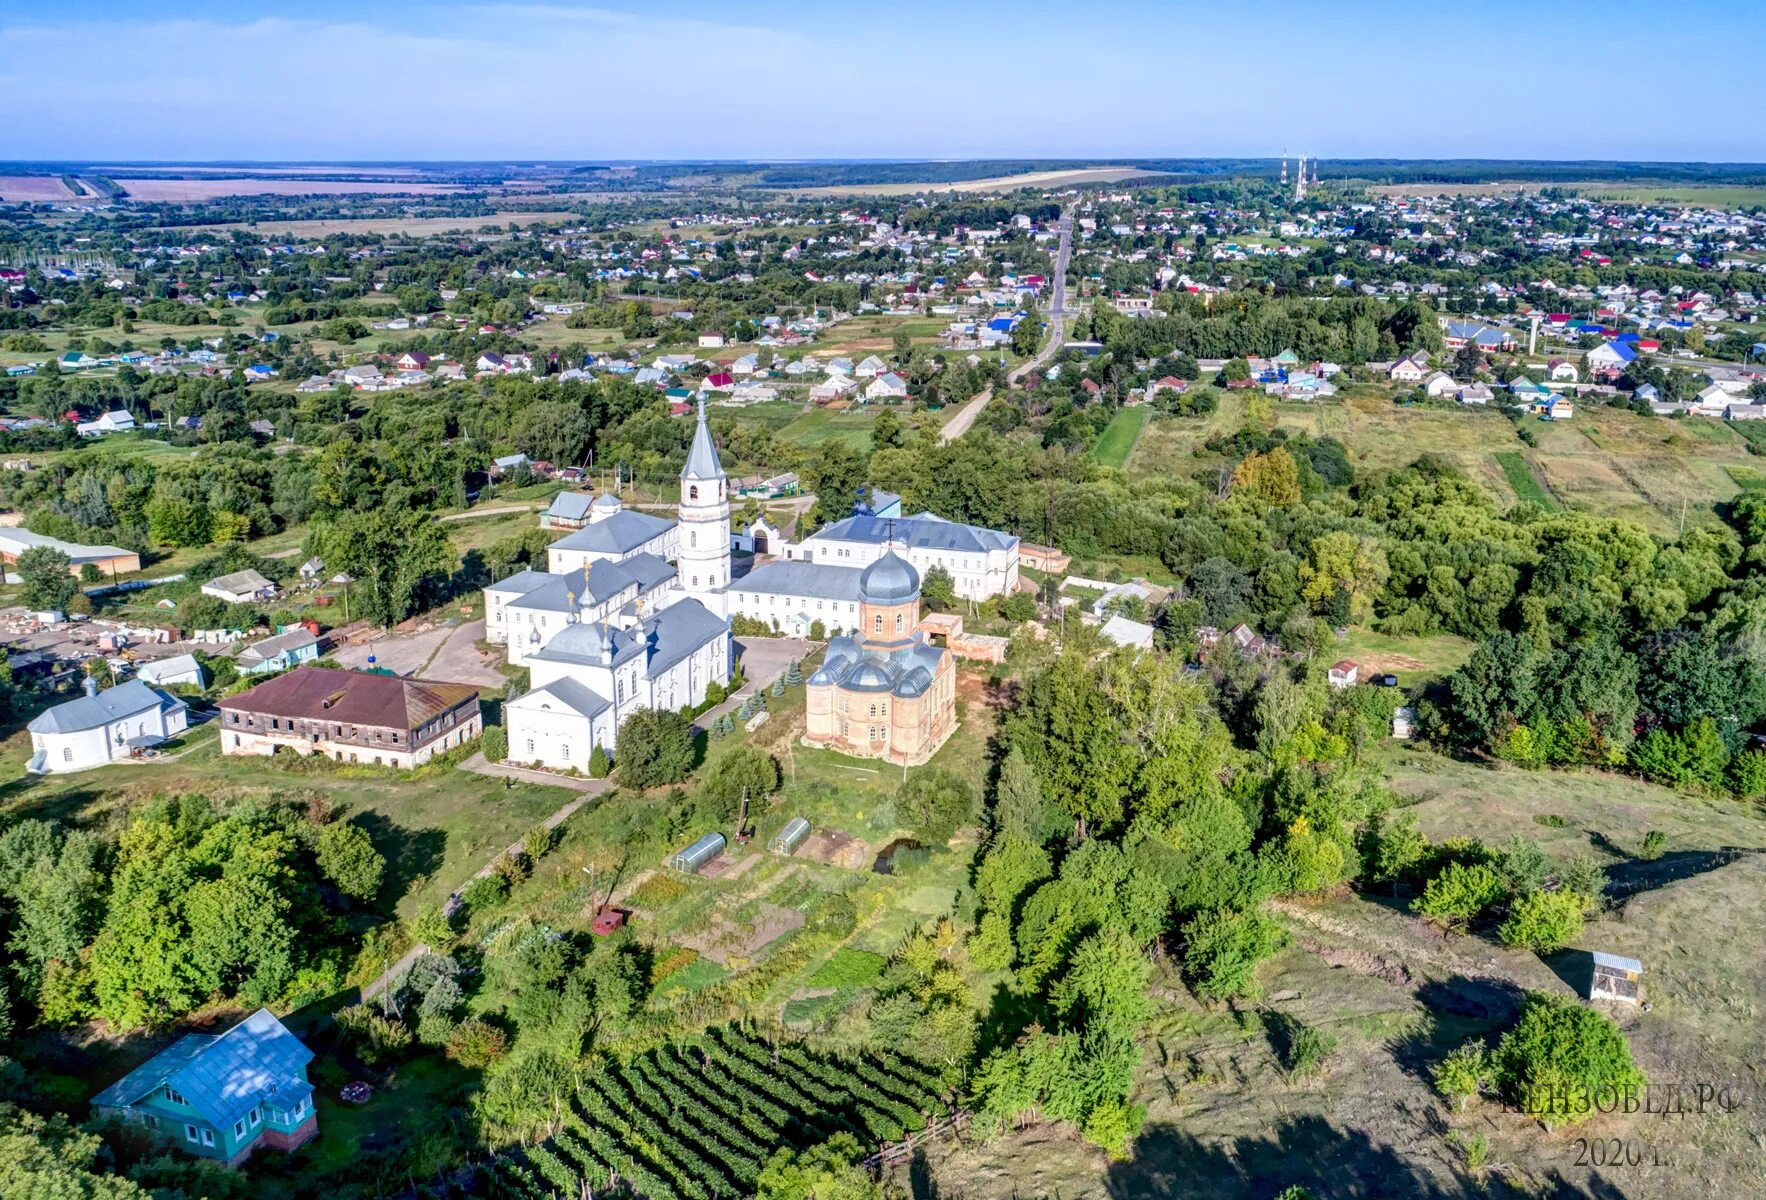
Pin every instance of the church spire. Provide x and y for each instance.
(702, 462)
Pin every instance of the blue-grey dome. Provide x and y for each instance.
(889, 580)
(869, 677)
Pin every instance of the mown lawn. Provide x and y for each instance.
(1118, 440)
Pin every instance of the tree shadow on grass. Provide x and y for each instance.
(411, 854)
(1459, 1009)
(1635, 876)
(1332, 1162)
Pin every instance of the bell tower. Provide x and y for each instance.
(702, 559)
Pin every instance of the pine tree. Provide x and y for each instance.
(794, 674)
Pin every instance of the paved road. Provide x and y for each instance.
(960, 424)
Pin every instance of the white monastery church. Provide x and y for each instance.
(634, 609)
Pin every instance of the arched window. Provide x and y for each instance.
(693, 493)
(692, 537)
(877, 623)
(67, 753)
(898, 622)
(873, 710)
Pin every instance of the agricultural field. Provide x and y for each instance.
(189, 191)
(34, 189)
(416, 227)
(1653, 470)
(1002, 183)
(699, 1119)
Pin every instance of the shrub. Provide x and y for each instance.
(373, 1038)
(1583, 875)
(476, 1045)
(487, 891)
(1747, 774)
(433, 928)
(1654, 842)
(714, 694)
(1459, 893)
(1309, 1050)
(1463, 1075)
(538, 842)
(1543, 921)
(1561, 1057)
(495, 743)
(1222, 949)
(598, 764)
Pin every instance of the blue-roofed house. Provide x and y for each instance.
(222, 1096)
(569, 510)
(1611, 359)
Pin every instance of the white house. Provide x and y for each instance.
(1410, 369)
(887, 386)
(168, 672)
(102, 727)
(240, 587)
(871, 367)
(711, 340)
(116, 421)
(1124, 632)
(1439, 384)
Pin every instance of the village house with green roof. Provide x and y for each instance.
(222, 1096)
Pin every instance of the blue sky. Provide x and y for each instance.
(556, 80)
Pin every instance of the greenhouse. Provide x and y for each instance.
(693, 859)
(789, 838)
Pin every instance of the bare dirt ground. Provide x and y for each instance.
(34, 188)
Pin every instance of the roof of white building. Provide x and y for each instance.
(922, 531)
(811, 580)
(568, 694)
(662, 641)
(119, 703)
(618, 533)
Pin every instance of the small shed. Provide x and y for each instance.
(1403, 722)
(1615, 978)
(693, 859)
(789, 838)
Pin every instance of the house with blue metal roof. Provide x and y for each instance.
(222, 1096)
(613, 532)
